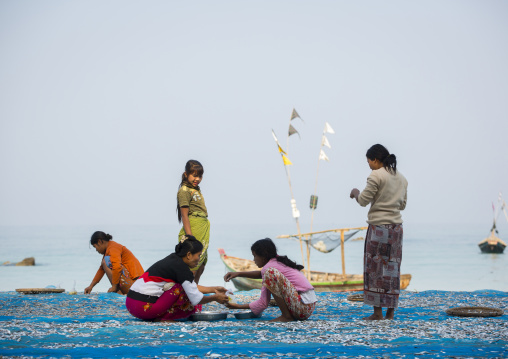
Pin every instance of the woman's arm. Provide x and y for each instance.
(88, 289)
(403, 205)
(185, 220)
(368, 194)
(256, 274)
(237, 306)
(207, 290)
(95, 280)
(219, 298)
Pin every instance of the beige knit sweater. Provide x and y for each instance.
(387, 194)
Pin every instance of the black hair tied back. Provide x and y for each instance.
(266, 248)
(99, 235)
(189, 244)
(380, 153)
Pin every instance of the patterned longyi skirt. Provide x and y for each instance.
(381, 265)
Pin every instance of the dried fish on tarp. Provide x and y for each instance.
(99, 326)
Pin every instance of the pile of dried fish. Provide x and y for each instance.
(99, 326)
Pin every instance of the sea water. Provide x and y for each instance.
(439, 257)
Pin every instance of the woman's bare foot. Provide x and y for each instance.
(282, 319)
(390, 314)
(378, 314)
(373, 317)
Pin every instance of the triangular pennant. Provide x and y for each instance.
(325, 142)
(286, 161)
(294, 115)
(281, 150)
(322, 156)
(292, 130)
(328, 128)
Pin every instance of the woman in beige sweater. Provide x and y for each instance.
(386, 191)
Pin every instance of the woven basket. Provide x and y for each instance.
(39, 290)
(474, 312)
(355, 297)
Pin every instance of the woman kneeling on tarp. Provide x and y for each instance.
(167, 291)
(281, 278)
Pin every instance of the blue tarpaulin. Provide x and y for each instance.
(98, 325)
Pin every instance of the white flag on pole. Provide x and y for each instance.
(322, 156)
(328, 128)
(325, 142)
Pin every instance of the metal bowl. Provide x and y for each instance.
(208, 316)
(245, 315)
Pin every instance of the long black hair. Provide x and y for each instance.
(266, 248)
(190, 244)
(100, 236)
(192, 167)
(380, 153)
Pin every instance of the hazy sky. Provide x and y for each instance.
(103, 102)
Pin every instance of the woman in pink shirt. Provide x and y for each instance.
(282, 278)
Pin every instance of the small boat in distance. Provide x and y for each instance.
(493, 244)
(321, 281)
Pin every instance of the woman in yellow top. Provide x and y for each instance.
(119, 264)
(386, 191)
(192, 212)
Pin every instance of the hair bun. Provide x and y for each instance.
(109, 236)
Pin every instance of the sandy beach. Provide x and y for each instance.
(97, 325)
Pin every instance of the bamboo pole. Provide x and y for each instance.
(297, 222)
(342, 254)
(326, 231)
(313, 209)
(315, 185)
(315, 191)
(288, 175)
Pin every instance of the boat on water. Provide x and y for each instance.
(493, 244)
(321, 281)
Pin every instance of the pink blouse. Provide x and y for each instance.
(297, 279)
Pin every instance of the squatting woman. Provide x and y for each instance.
(282, 279)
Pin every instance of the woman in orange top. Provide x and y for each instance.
(119, 264)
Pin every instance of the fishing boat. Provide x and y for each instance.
(493, 244)
(321, 281)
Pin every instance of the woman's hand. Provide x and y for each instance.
(355, 192)
(221, 298)
(88, 289)
(220, 289)
(230, 275)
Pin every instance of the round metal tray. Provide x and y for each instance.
(208, 316)
(245, 315)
